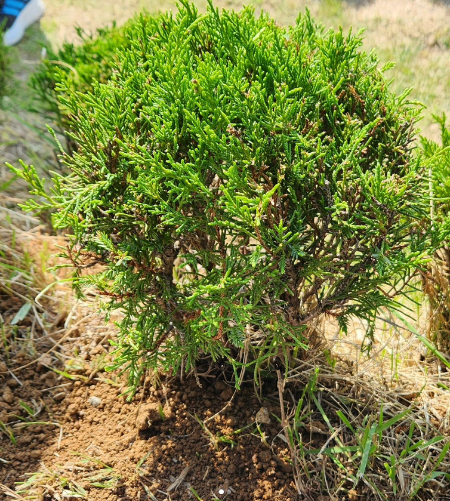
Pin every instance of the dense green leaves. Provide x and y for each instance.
(436, 283)
(439, 154)
(77, 67)
(235, 180)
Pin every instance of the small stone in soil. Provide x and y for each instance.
(8, 395)
(95, 401)
(263, 416)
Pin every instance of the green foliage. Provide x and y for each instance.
(439, 155)
(235, 180)
(436, 283)
(78, 66)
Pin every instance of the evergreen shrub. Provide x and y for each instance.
(234, 181)
(436, 280)
(439, 156)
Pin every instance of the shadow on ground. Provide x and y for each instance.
(358, 3)
(441, 2)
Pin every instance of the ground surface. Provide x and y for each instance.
(144, 445)
(76, 436)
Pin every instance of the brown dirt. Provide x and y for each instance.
(159, 424)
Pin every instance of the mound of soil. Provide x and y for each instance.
(167, 442)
